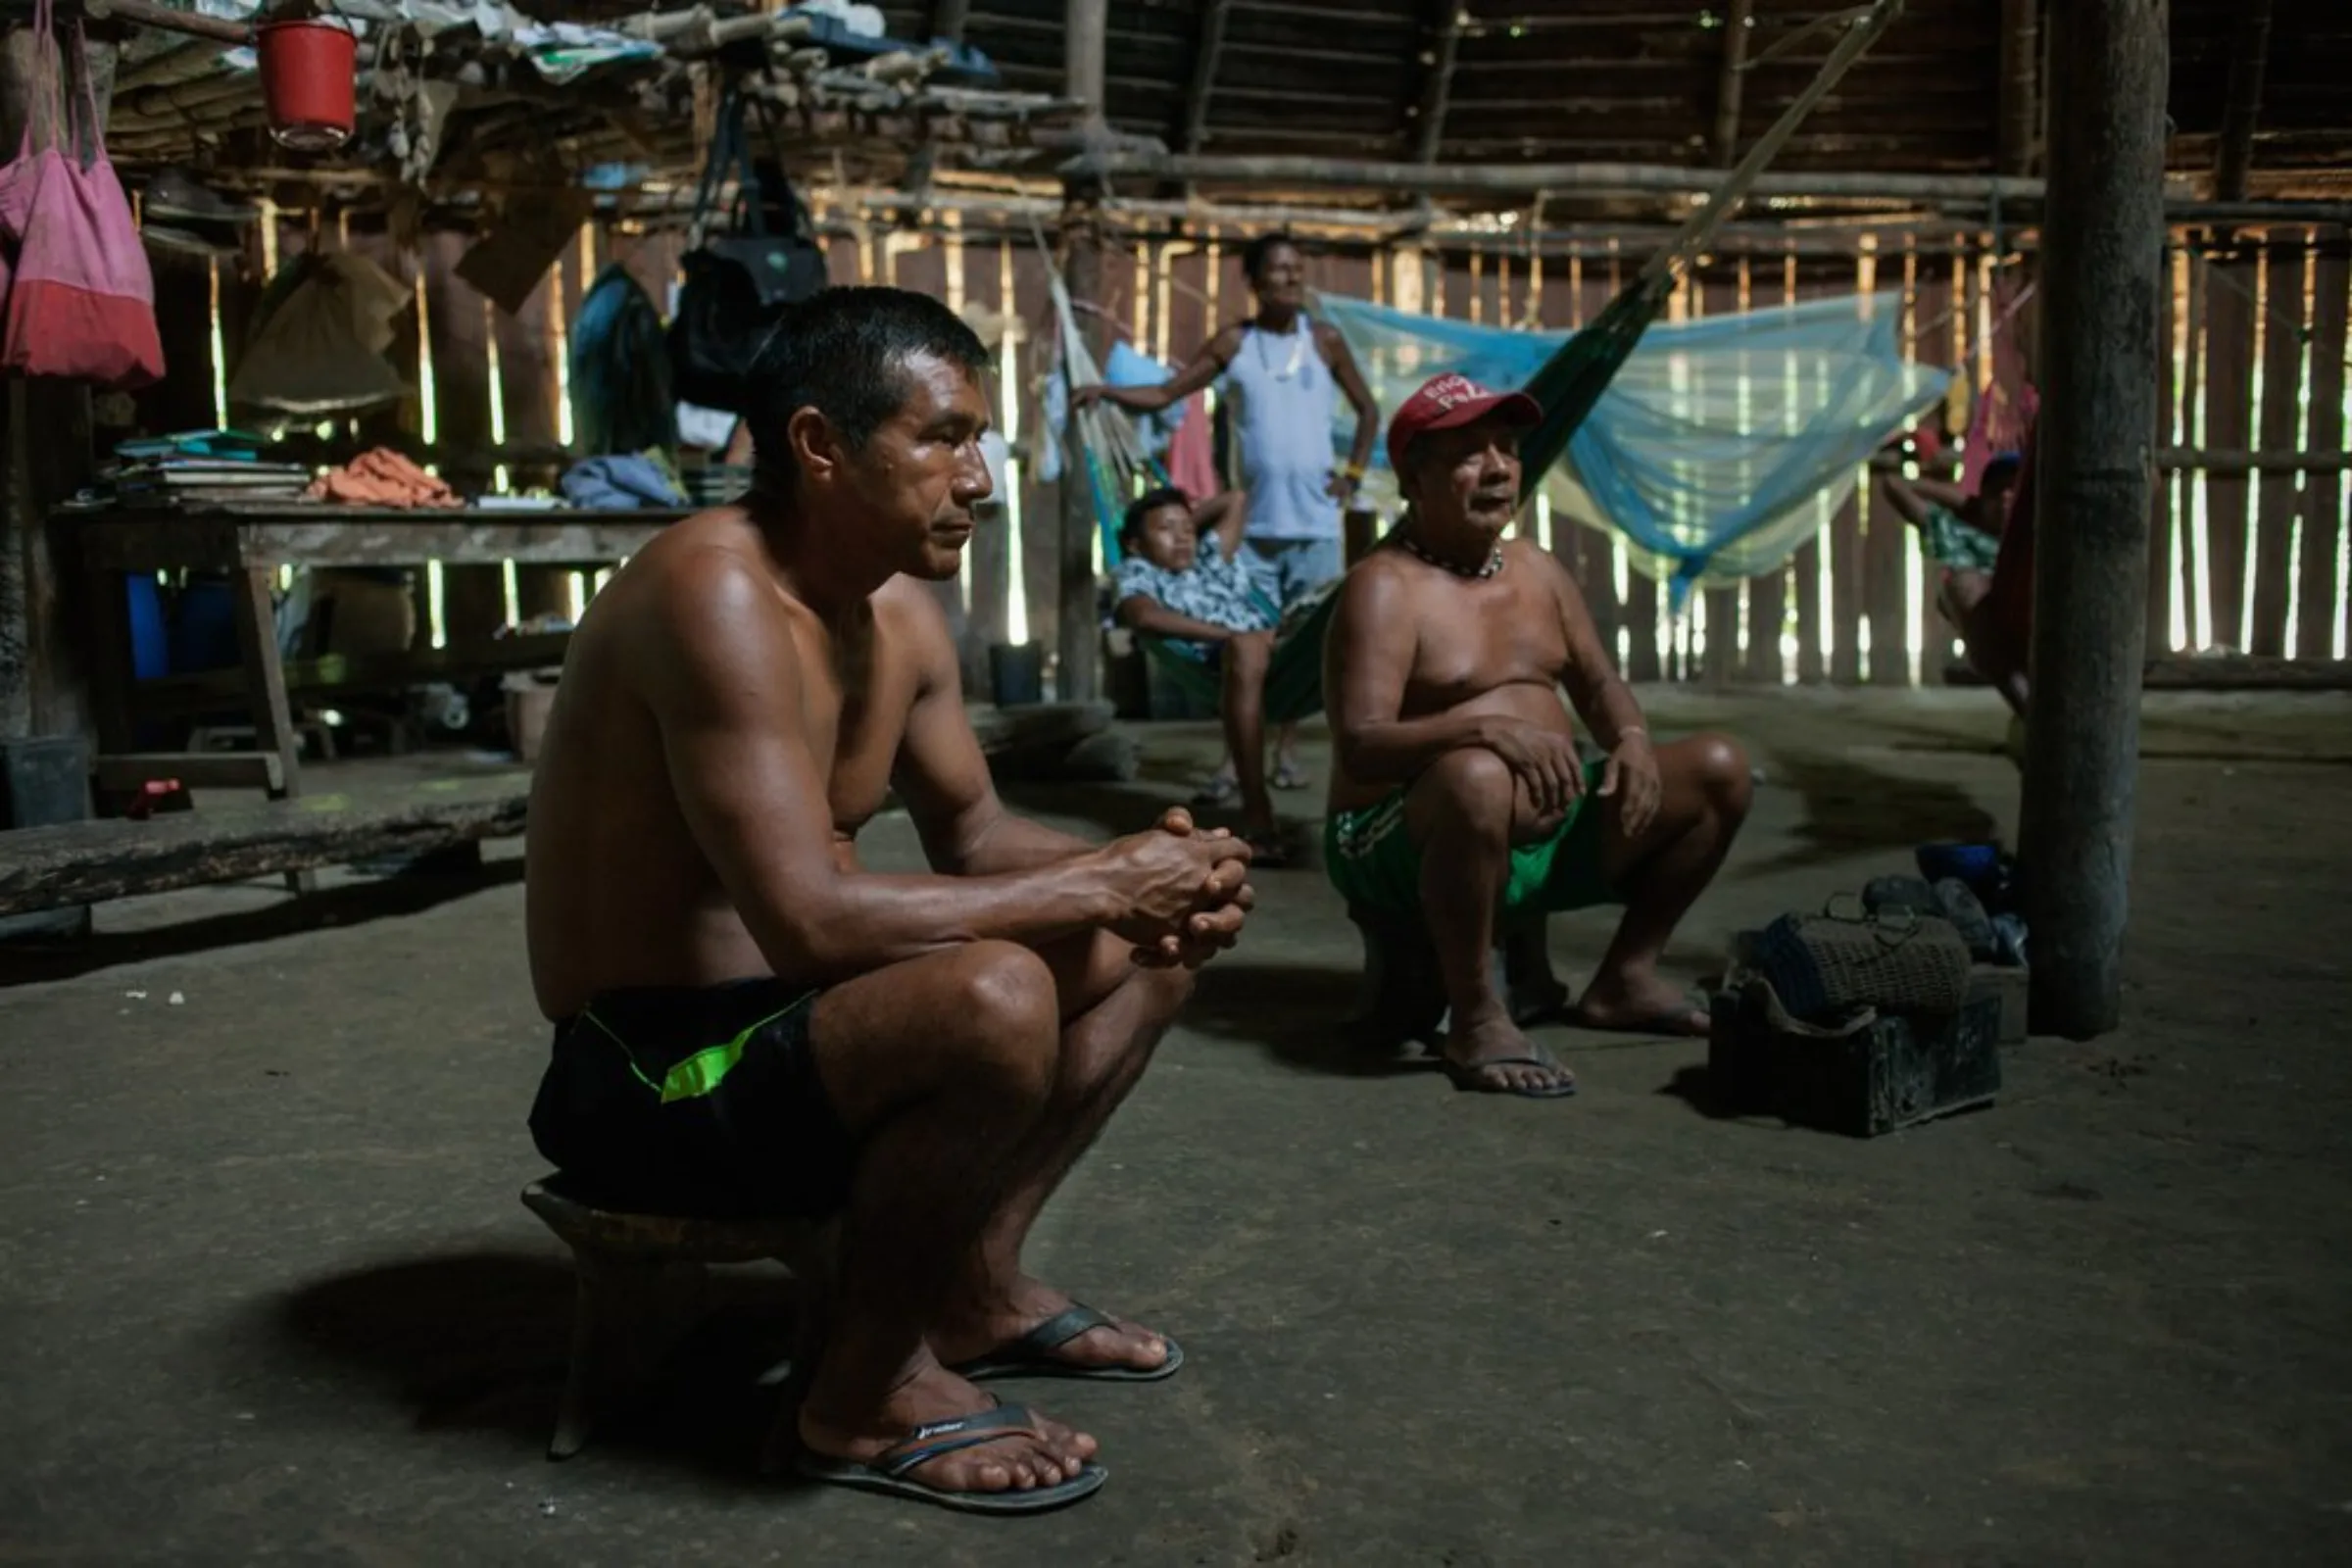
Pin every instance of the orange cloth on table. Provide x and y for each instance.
(382, 478)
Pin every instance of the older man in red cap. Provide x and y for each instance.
(1459, 798)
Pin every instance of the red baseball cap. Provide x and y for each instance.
(1448, 402)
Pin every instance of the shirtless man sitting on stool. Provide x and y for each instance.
(749, 1021)
(1459, 798)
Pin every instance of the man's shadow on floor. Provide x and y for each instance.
(411, 891)
(478, 1341)
(1852, 810)
(1303, 1016)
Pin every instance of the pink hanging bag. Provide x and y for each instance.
(82, 304)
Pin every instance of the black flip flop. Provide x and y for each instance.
(1032, 1354)
(932, 1439)
(1466, 1077)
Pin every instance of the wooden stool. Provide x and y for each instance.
(640, 1278)
(1403, 997)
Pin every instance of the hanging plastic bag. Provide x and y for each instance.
(82, 301)
(319, 347)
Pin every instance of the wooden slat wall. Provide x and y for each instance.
(2194, 548)
(2162, 568)
(1887, 539)
(473, 599)
(1934, 332)
(1841, 628)
(2273, 562)
(2275, 538)
(2319, 628)
(2231, 340)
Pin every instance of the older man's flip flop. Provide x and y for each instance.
(1469, 1076)
(1032, 1354)
(931, 1440)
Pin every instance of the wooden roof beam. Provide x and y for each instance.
(2019, 95)
(1207, 50)
(2249, 54)
(948, 18)
(1731, 85)
(1437, 89)
(1521, 179)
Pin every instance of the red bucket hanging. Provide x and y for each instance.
(307, 82)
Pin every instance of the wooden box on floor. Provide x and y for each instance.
(2006, 984)
(1894, 1072)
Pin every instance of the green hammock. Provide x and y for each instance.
(1294, 676)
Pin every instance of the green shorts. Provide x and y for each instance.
(1371, 857)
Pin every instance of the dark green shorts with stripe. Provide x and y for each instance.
(694, 1100)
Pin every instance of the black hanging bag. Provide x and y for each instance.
(741, 276)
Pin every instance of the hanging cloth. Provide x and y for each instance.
(82, 304)
(620, 369)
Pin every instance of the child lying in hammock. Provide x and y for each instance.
(1180, 579)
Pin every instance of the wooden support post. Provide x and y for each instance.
(948, 18)
(2020, 85)
(1077, 639)
(1730, 83)
(2249, 51)
(2102, 254)
(1436, 89)
(1085, 46)
(1206, 54)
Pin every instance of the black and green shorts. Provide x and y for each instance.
(699, 1101)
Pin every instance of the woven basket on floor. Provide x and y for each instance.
(1823, 966)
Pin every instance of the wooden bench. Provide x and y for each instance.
(77, 864)
(89, 862)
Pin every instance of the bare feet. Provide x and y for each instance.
(986, 1330)
(1640, 1004)
(1488, 1053)
(1044, 1455)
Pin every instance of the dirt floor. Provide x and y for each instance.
(267, 1294)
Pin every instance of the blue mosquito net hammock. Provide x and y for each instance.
(1715, 449)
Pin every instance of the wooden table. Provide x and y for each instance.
(250, 542)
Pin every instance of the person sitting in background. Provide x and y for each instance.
(1181, 579)
(1967, 536)
(1457, 798)
(1286, 372)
